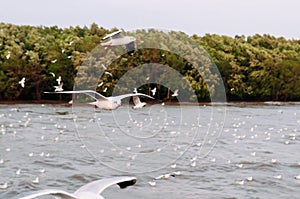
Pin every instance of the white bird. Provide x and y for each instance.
(4, 186)
(91, 190)
(22, 82)
(52, 73)
(175, 94)
(134, 90)
(59, 87)
(54, 61)
(100, 84)
(137, 102)
(58, 80)
(108, 73)
(278, 177)
(297, 177)
(117, 39)
(36, 180)
(104, 90)
(153, 91)
(8, 55)
(107, 103)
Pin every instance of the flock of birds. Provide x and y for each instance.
(94, 189)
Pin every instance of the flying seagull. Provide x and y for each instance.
(117, 39)
(137, 103)
(22, 82)
(175, 94)
(107, 103)
(59, 87)
(91, 190)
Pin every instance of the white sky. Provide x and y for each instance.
(226, 17)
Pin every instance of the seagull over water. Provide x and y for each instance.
(107, 103)
(91, 190)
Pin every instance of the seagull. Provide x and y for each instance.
(58, 80)
(8, 55)
(175, 94)
(59, 87)
(117, 39)
(91, 190)
(22, 82)
(54, 61)
(108, 73)
(107, 103)
(153, 91)
(52, 73)
(137, 102)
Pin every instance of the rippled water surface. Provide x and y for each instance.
(221, 151)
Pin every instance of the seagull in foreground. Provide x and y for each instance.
(175, 94)
(91, 190)
(22, 82)
(107, 103)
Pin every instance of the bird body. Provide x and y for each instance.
(22, 82)
(137, 103)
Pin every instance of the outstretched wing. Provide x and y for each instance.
(58, 193)
(95, 95)
(99, 185)
(113, 35)
(120, 97)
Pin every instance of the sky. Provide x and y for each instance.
(223, 17)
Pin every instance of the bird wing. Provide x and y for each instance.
(95, 95)
(99, 185)
(113, 35)
(59, 193)
(136, 100)
(120, 97)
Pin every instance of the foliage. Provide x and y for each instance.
(258, 67)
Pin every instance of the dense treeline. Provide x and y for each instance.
(259, 67)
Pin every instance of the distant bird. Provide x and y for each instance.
(58, 80)
(108, 73)
(152, 183)
(69, 57)
(297, 177)
(54, 61)
(22, 82)
(175, 94)
(134, 90)
(36, 180)
(137, 102)
(91, 190)
(105, 89)
(278, 177)
(153, 91)
(147, 78)
(59, 87)
(8, 55)
(117, 39)
(4, 186)
(52, 73)
(100, 84)
(107, 103)
(71, 42)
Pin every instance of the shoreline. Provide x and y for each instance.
(230, 103)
